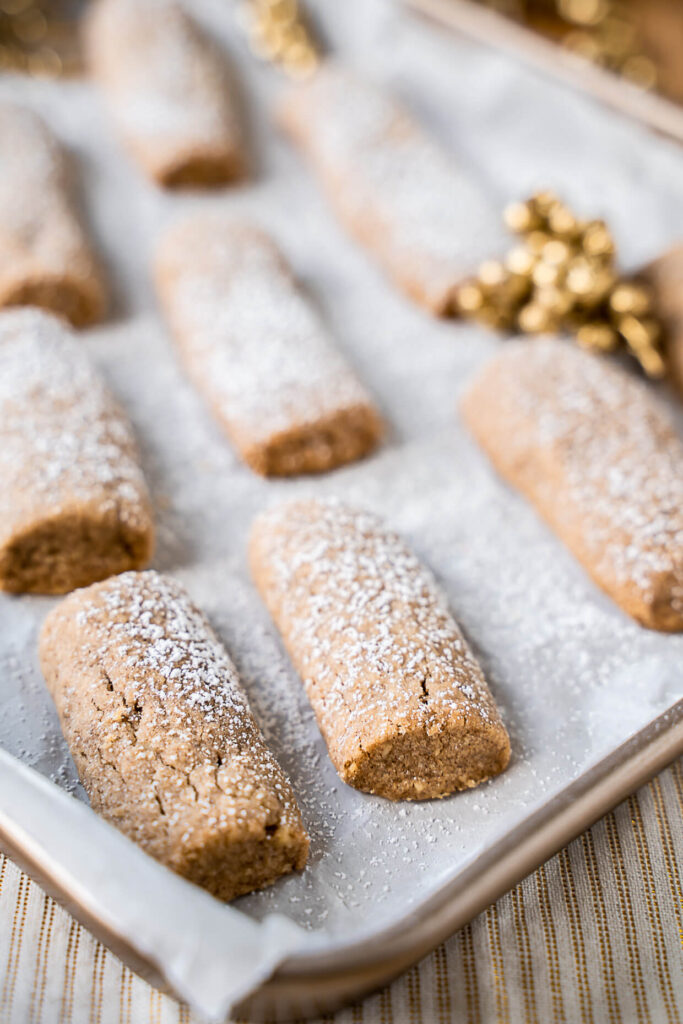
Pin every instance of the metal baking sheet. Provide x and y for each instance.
(492, 28)
(575, 679)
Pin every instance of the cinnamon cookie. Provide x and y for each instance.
(258, 352)
(162, 736)
(393, 188)
(400, 700)
(73, 503)
(594, 451)
(45, 257)
(169, 91)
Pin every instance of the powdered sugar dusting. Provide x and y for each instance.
(368, 628)
(565, 414)
(394, 185)
(163, 81)
(149, 624)
(251, 341)
(32, 164)
(38, 230)
(172, 719)
(63, 439)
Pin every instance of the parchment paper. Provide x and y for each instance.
(574, 677)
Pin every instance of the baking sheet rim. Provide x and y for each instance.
(310, 983)
(353, 970)
(489, 27)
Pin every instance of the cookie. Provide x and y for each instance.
(169, 91)
(74, 506)
(258, 352)
(45, 257)
(665, 276)
(400, 700)
(592, 448)
(162, 736)
(391, 185)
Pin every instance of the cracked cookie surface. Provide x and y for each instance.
(165, 744)
(399, 697)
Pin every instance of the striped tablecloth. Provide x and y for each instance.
(594, 935)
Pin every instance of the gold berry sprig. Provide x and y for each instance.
(279, 32)
(562, 277)
(605, 32)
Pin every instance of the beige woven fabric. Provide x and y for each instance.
(594, 935)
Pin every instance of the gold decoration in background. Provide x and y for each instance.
(604, 32)
(562, 277)
(279, 32)
(39, 37)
